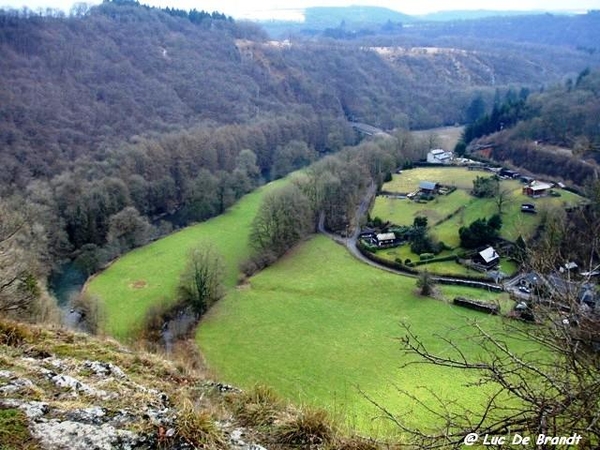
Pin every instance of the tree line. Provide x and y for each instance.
(330, 190)
(141, 190)
(552, 132)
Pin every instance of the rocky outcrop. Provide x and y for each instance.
(73, 403)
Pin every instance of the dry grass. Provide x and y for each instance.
(198, 428)
(199, 409)
(310, 426)
(14, 334)
(354, 443)
(257, 407)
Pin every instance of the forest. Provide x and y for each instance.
(554, 132)
(120, 122)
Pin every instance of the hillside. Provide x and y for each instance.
(61, 390)
(553, 132)
(576, 31)
(77, 86)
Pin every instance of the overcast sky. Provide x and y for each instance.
(289, 8)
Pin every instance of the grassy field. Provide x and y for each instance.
(321, 327)
(408, 180)
(149, 275)
(447, 136)
(466, 207)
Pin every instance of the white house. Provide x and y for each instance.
(385, 239)
(488, 257)
(439, 156)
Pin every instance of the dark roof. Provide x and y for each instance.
(427, 185)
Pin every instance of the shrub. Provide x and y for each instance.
(477, 305)
(257, 407)
(13, 334)
(310, 427)
(198, 428)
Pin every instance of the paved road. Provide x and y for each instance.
(350, 241)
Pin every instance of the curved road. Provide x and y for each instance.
(350, 241)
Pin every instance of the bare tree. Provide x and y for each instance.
(503, 198)
(550, 389)
(201, 283)
(18, 278)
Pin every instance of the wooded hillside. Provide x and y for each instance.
(77, 85)
(554, 132)
(119, 121)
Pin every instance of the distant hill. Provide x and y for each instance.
(73, 86)
(354, 20)
(447, 16)
(575, 31)
(327, 17)
(554, 132)
(559, 29)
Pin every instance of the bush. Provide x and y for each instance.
(434, 260)
(198, 428)
(477, 306)
(257, 407)
(311, 427)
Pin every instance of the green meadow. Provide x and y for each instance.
(447, 213)
(148, 275)
(322, 328)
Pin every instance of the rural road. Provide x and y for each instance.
(350, 241)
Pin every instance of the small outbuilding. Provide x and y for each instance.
(488, 258)
(537, 189)
(428, 187)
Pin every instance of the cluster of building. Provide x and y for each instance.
(380, 240)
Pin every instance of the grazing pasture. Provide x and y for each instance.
(320, 327)
(465, 207)
(149, 275)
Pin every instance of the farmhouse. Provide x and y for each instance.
(428, 187)
(385, 239)
(439, 156)
(488, 258)
(537, 189)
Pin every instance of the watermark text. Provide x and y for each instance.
(518, 439)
